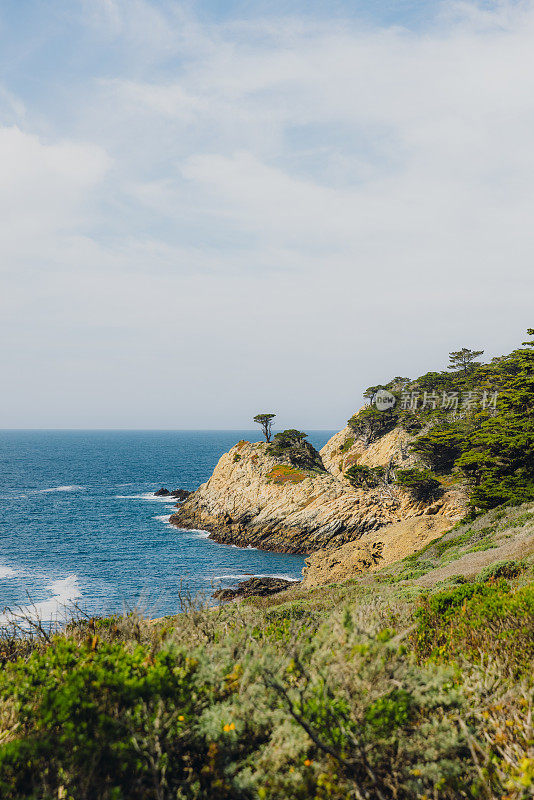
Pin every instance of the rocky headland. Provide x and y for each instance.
(271, 500)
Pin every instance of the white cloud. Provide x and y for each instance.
(44, 189)
(344, 201)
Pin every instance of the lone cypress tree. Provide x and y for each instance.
(464, 360)
(266, 423)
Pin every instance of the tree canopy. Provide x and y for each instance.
(291, 446)
(464, 360)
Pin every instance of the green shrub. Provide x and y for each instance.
(347, 444)
(475, 617)
(291, 445)
(361, 476)
(298, 700)
(97, 720)
(440, 447)
(370, 424)
(420, 483)
(502, 569)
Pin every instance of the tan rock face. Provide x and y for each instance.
(253, 500)
(344, 450)
(374, 550)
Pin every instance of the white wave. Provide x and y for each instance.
(7, 572)
(240, 576)
(54, 609)
(163, 518)
(247, 575)
(61, 489)
(146, 496)
(196, 534)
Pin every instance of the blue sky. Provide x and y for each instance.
(215, 208)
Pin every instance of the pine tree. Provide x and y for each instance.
(464, 360)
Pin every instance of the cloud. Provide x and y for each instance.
(43, 193)
(284, 204)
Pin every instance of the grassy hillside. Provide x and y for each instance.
(400, 685)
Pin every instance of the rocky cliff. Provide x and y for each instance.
(254, 499)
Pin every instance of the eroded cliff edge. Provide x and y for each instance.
(255, 499)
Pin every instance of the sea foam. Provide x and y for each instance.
(7, 572)
(61, 489)
(163, 518)
(54, 609)
(146, 496)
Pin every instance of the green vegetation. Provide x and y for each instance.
(464, 360)
(369, 424)
(333, 694)
(421, 484)
(291, 446)
(475, 423)
(483, 534)
(361, 476)
(502, 569)
(470, 618)
(347, 444)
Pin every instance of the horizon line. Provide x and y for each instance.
(155, 430)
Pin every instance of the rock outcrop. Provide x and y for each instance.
(255, 587)
(253, 499)
(180, 494)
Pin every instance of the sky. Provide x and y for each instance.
(217, 208)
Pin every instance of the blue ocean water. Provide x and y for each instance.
(79, 522)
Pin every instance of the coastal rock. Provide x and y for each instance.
(252, 499)
(180, 494)
(255, 587)
(345, 449)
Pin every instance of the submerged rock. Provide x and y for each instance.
(255, 587)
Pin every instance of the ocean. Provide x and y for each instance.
(79, 522)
